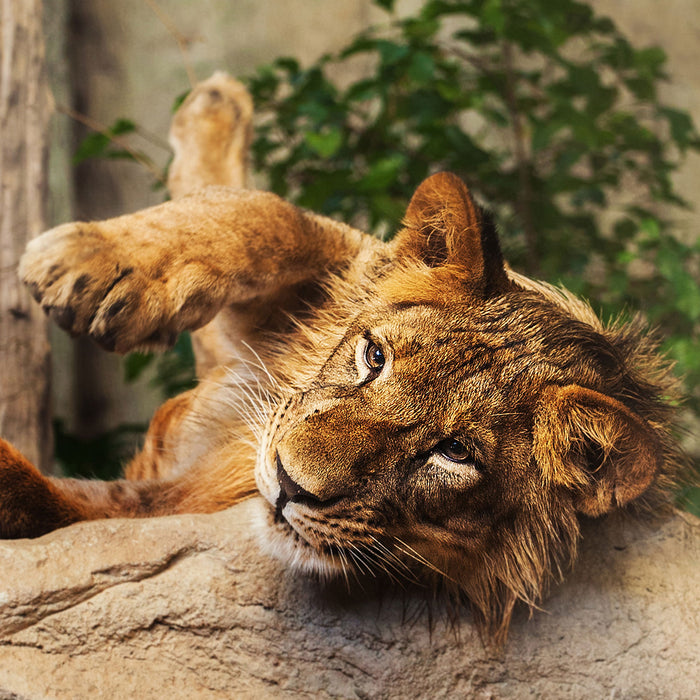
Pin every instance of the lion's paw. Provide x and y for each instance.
(88, 286)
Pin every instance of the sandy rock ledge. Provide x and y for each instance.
(188, 607)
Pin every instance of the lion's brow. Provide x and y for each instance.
(483, 358)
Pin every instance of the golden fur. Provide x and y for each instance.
(406, 407)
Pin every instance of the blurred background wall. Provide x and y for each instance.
(124, 59)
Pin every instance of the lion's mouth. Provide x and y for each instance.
(305, 530)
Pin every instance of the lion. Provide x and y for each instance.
(411, 408)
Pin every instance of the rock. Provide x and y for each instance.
(188, 607)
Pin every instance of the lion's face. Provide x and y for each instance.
(458, 421)
(414, 436)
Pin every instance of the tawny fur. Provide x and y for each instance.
(413, 407)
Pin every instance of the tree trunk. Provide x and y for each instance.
(25, 107)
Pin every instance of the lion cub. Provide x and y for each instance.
(411, 406)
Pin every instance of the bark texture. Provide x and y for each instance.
(24, 114)
(188, 607)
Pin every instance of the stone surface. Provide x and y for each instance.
(188, 607)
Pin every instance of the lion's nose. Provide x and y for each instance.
(289, 489)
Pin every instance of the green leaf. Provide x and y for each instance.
(422, 67)
(96, 144)
(601, 100)
(102, 456)
(363, 90)
(651, 229)
(543, 133)
(625, 229)
(493, 15)
(642, 87)
(689, 499)
(177, 102)
(604, 25)
(383, 172)
(681, 126)
(619, 55)
(392, 52)
(388, 208)
(135, 364)
(420, 30)
(325, 143)
(584, 78)
(650, 60)
(92, 146)
(288, 64)
(685, 287)
(122, 126)
(175, 370)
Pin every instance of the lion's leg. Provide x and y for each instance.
(32, 504)
(138, 280)
(210, 134)
(201, 429)
(198, 457)
(160, 455)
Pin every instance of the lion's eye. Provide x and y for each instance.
(455, 451)
(370, 359)
(374, 357)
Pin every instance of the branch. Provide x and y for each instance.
(101, 129)
(182, 41)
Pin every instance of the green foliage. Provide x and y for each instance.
(99, 457)
(545, 109)
(103, 144)
(174, 369)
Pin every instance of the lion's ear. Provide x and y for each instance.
(594, 446)
(443, 225)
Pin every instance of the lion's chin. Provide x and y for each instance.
(281, 541)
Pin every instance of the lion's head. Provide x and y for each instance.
(446, 413)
